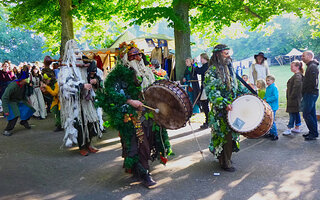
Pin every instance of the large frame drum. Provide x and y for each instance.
(173, 103)
(250, 116)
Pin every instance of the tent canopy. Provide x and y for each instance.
(141, 40)
(100, 51)
(294, 52)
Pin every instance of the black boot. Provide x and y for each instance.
(58, 129)
(140, 172)
(204, 126)
(25, 124)
(148, 181)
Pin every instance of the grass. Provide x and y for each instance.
(282, 75)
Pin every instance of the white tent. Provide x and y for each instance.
(294, 53)
(141, 41)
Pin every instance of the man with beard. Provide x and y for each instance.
(222, 88)
(141, 138)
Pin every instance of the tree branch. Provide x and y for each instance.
(247, 9)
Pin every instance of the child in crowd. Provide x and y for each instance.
(261, 87)
(272, 98)
(50, 85)
(294, 95)
(246, 79)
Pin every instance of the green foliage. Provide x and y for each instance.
(18, 45)
(287, 32)
(92, 23)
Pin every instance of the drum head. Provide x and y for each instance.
(173, 113)
(247, 113)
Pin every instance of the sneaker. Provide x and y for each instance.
(268, 135)
(6, 133)
(287, 132)
(274, 138)
(296, 130)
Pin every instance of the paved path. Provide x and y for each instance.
(32, 166)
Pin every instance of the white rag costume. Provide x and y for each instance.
(74, 106)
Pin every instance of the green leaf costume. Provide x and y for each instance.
(220, 95)
(122, 84)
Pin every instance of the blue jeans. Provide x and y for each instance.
(309, 113)
(294, 120)
(273, 130)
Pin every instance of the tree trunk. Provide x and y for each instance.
(182, 37)
(67, 23)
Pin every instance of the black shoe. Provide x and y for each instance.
(7, 133)
(148, 181)
(307, 138)
(268, 135)
(305, 135)
(58, 129)
(229, 169)
(25, 124)
(274, 137)
(204, 126)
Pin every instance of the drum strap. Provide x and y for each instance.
(246, 84)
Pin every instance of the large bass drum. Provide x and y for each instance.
(250, 116)
(173, 103)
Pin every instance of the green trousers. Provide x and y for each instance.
(55, 110)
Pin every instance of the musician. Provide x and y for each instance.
(222, 88)
(141, 138)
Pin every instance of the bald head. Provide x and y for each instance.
(307, 56)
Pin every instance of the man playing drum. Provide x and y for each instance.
(141, 138)
(222, 88)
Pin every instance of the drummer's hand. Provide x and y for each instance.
(135, 103)
(93, 81)
(87, 86)
(229, 107)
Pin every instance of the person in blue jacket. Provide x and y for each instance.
(272, 98)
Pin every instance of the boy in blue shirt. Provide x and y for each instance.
(272, 98)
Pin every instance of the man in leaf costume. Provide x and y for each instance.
(141, 138)
(222, 88)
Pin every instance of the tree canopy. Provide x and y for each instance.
(17, 44)
(206, 18)
(278, 38)
(90, 21)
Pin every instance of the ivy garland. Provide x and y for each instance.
(120, 85)
(220, 96)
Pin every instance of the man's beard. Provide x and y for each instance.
(227, 61)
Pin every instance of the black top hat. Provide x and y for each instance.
(260, 54)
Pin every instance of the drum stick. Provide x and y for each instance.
(156, 110)
(194, 103)
(196, 138)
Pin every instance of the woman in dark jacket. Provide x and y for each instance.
(190, 78)
(294, 95)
